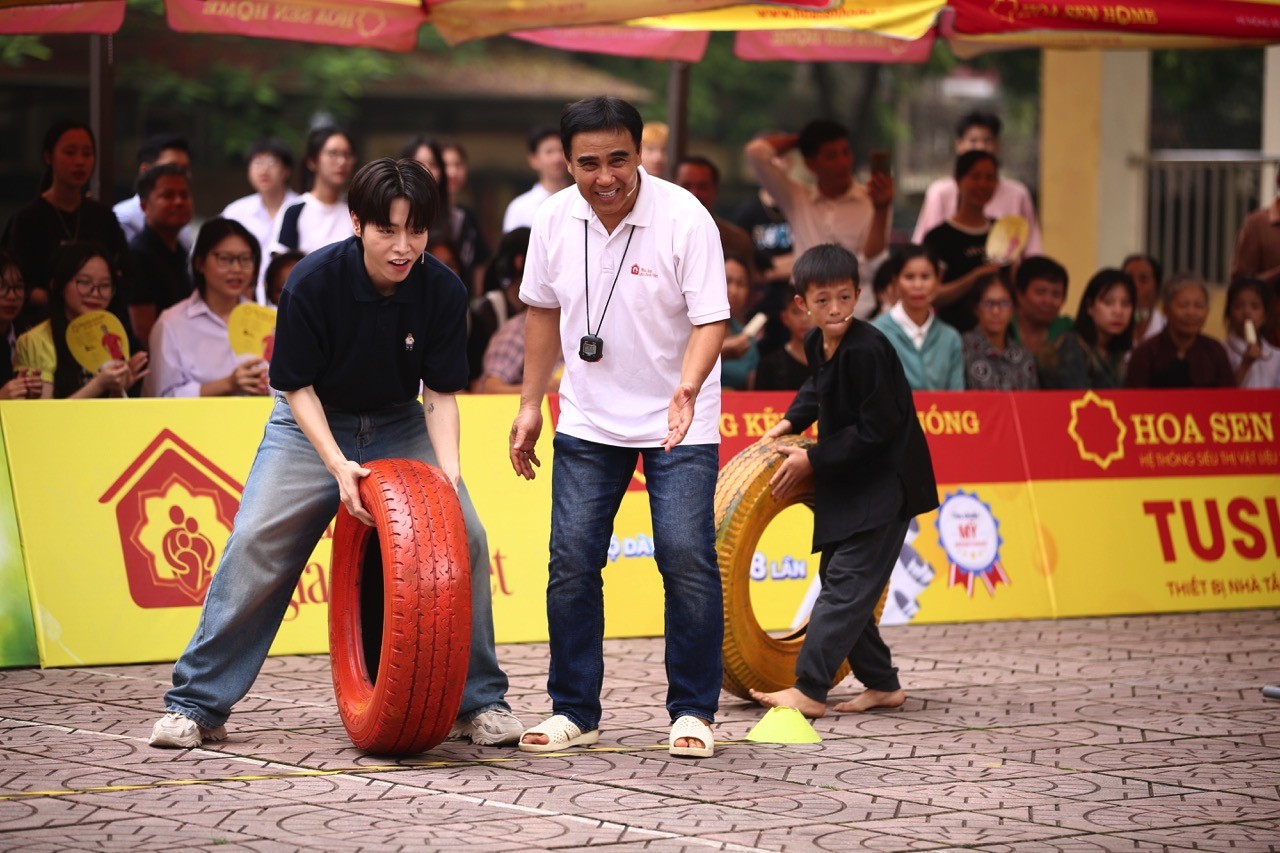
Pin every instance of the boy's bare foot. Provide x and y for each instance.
(791, 698)
(869, 699)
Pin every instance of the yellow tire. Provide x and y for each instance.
(744, 507)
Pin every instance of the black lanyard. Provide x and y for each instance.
(586, 277)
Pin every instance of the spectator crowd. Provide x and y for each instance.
(957, 317)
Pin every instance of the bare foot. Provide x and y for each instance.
(869, 699)
(534, 737)
(791, 698)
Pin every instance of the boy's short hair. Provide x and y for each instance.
(382, 181)
(149, 150)
(978, 118)
(273, 146)
(539, 133)
(704, 162)
(603, 112)
(818, 133)
(1039, 266)
(828, 263)
(147, 180)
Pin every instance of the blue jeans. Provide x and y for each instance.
(588, 481)
(288, 501)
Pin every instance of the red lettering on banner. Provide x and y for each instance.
(1250, 544)
(1162, 510)
(1236, 511)
(498, 575)
(1216, 547)
(312, 588)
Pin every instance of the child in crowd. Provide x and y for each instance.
(25, 384)
(739, 355)
(278, 273)
(885, 288)
(787, 368)
(1181, 356)
(81, 281)
(928, 348)
(872, 474)
(1255, 362)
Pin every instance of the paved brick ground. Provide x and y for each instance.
(1136, 733)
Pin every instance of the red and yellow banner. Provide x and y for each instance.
(1053, 504)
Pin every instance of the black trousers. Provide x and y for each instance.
(842, 625)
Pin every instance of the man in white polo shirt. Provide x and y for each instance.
(625, 280)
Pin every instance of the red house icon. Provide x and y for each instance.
(174, 511)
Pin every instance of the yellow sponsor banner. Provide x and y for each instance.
(124, 507)
(1052, 505)
(1156, 546)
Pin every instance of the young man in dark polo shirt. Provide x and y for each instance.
(361, 323)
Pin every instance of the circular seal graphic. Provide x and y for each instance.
(970, 537)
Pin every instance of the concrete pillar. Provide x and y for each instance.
(1095, 119)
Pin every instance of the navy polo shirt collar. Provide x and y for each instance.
(363, 288)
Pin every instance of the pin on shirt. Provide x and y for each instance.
(408, 342)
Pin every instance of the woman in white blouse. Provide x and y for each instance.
(191, 353)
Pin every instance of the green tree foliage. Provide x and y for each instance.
(1206, 99)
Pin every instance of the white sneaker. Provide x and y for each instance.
(174, 731)
(495, 727)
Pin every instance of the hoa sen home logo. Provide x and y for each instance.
(643, 272)
(1097, 430)
(174, 511)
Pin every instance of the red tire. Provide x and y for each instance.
(400, 614)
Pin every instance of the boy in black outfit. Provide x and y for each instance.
(872, 475)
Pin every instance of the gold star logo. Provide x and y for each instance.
(1097, 430)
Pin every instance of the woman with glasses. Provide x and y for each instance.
(14, 385)
(320, 216)
(62, 214)
(191, 353)
(992, 361)
(81, 280)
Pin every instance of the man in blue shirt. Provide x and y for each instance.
(362, 324)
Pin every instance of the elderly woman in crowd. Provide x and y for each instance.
(1181, 356)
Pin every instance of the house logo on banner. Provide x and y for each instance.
(174, 511)
(970, 537)
(1097, 430)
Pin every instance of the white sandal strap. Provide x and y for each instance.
(689, 726)
(558, 729)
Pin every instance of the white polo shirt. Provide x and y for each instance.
(671, 280)
(521, 210)
(250, 212)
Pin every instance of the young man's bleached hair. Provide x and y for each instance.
(824, 264)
